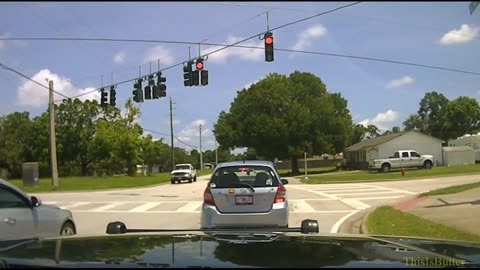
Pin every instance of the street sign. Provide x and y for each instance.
(473, 6)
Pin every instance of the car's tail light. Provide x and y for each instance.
(281, 194)
(208, 197)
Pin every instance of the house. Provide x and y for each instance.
(458, 155)
(468, 140)
(359, 154)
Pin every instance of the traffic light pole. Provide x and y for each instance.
(53, 143)
(201, 157)
(171, 134)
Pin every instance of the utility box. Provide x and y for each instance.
(4, 173)
(30, 174)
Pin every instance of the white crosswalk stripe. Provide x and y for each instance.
(328, 199)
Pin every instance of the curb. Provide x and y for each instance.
(363, 226)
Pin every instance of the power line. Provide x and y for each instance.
(164, 134)
(379, 19)
(28, 78)
(177, 42)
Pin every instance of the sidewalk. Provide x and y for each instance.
(459, 210)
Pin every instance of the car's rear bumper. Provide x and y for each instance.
(276, 217)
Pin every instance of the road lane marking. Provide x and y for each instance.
(342, 188)
(351, 190)
(337, 224)
(190, 207)
(378, 198)
(318, 193)
(361, 193)
(106, 207)
(75, 205)
(398, 190)
(321, 199)
(320, 211)
(49, 202)
(145, 207)
(301, 206)
(355, 204)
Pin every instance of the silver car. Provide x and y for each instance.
(245, 194)
(23, 217)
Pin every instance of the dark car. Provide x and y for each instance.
(241, 248)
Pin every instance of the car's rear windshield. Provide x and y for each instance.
(237, 176)
(182, 167)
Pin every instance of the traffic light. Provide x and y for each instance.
(103, 98)
(199, 64)
(148, 92)
(268, 47)
(138, 92)
(187, 74)
(113, 94)
(195, 77)
(161, 89)
(204, 77)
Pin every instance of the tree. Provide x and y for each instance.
(415, 122)
(14, 137)
(358, 133)
(462, 117)
(396, 129)
(116, 144)
(75, 127)
(432, 111)
(284, 116)
(372, 131)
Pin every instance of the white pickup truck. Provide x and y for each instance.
(402, 159)
(183, 172)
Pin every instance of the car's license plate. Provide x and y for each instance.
(244, 199)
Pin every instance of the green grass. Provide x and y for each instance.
(365, 176)
(387, 221)
(204, 172)
(451, 190)
(319, 170)
(94, 183)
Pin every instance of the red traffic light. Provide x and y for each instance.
(268, 40)
(199, 65)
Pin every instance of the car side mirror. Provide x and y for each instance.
(284, 181)
(36, 201)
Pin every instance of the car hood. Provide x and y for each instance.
(181, 171)
(427, 156)
(202, 250)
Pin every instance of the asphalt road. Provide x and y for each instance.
(178, 206)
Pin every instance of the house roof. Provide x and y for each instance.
(379, 140)
(457, 148)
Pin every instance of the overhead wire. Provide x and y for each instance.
(204, 55)
(30, 79)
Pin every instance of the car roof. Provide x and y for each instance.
(183, 164)
(246, 162)
(12, 186)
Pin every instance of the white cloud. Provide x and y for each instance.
(192, 132)
(119, 57)
(31, 94)
(159, 52)
(242, 53)
(381, 120)
(463, 35)
(307, 36)
(406, 80)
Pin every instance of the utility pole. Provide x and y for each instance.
(201, 157)
(305, 160)
(171, 134)
(53, 143)
(216, 153)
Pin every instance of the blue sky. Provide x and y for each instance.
(432, 33)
